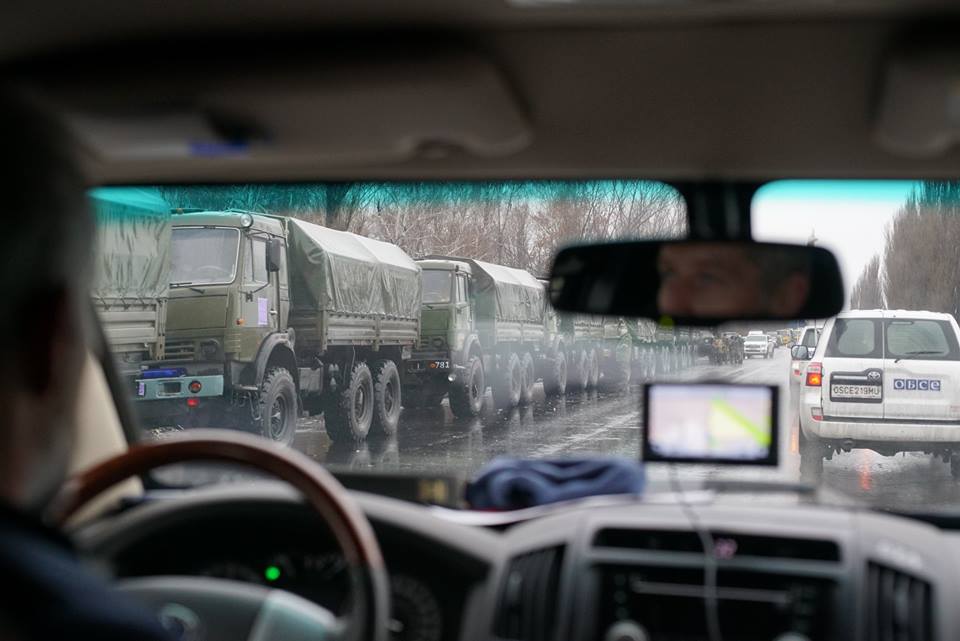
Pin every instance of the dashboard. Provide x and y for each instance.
(625, 571)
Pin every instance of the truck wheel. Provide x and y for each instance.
(593, 368)
(579, 371)
(352, 412)
(811, 459)
(955, 466)
(528, 378)
(386, 397)
(466, 395)
(555, 383)
(278, 406)
(506, 388)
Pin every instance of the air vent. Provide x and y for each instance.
(729, 543)
(899, 606)
(528, 597)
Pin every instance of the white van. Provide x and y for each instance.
(886, 380)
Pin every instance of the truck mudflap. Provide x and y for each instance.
(154, 389)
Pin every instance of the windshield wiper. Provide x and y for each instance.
(189, 286)
(918, 352)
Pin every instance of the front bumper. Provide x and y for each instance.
(155, 389)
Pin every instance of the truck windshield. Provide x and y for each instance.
(203, 256)
(437, 285)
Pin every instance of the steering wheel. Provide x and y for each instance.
(228, 610)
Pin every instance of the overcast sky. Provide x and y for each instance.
(847, 217)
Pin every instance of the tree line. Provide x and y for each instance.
(519, 223)
(919, 264)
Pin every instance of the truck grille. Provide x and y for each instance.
(180, 350)
(435, 342)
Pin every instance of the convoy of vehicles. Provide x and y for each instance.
(884, 380)
(264, 317)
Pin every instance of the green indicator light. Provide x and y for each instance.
(272, 573)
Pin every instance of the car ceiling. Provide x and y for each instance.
(680, 90)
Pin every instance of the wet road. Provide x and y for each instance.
(598, 423)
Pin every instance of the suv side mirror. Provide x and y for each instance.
(800, 353)
(274, 254)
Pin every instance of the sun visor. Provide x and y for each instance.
(919, 110)
(369, 112)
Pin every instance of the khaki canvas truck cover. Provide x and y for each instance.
(133, 244)
(340, 272)
(508, 294)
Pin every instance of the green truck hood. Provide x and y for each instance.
(197, 312)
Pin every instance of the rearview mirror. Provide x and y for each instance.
(274, 254)
(697, 282)
(800, 353)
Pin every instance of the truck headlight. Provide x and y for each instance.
(209, 348)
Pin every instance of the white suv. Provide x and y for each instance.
(886, 380)
(757, 344)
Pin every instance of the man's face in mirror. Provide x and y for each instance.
(721, 280)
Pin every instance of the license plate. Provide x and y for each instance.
(438, 365)
(856, 391)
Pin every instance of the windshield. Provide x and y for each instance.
(364, 265)
(203, 256)
(437, 285)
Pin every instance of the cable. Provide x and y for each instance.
(710, 600)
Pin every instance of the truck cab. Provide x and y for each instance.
(447, 332)
(228, 292)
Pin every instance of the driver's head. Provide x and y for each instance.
(45, 249)
(721, 280)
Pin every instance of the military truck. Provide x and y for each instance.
(480, 324)
(131, 273)
(268, 315)
(572, 356)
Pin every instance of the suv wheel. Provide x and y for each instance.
(811, 459)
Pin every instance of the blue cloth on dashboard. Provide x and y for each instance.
(509, 483)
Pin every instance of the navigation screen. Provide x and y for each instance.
(710, 423)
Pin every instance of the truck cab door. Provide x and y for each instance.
(260, 298)
(278, 267)
(462, 303)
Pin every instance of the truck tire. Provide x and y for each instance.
(351, 413)
(278, 406)
(593, 369)
(386, 397)
(578, 371)
(811, 459)
(466, 395)
(528, 378)
(506, 387)
(555, 382)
